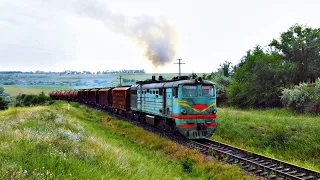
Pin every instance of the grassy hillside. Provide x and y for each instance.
(76, 81)
(275, 132)
(49, 142)
(15, 90)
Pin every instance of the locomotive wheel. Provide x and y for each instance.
(140, 118)
(162, 124)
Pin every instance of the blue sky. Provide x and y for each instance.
(56, 35)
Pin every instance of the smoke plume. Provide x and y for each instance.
(156, 36)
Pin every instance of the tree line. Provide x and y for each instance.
(130, 71)
(283, 74)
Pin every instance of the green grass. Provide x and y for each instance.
(15, 90)
(49, 142)
(275, 132)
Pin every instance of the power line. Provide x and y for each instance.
(179, 66)
(120, 80)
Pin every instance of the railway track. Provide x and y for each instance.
(255, 163)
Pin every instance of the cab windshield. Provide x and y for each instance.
(189, 91)
(207, 91)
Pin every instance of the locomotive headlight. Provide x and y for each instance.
(214, 111)
(183, 111)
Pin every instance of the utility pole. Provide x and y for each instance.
(179, 66)
(120, 80)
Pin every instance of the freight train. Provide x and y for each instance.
(183, 105)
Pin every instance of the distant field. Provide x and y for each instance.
(14, 90)
(78, 80)
(36, 83)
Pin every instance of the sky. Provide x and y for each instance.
(97, 35)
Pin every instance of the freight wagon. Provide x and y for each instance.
(183, 105)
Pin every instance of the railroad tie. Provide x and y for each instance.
(278, 168)
(308, 177)
(264, 174)
(292, 172)
(273, 176)
(265, 163)
(273, 165)
(252, 169)
(286, 170)
(301, 175)
(258, 171)
(231, 161)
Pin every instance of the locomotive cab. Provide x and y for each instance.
(194, 109)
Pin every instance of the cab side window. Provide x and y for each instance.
(175, 92)
(161, 91)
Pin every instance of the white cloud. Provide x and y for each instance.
(48, 35)
(32, 36)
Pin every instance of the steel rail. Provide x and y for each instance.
(258, 164)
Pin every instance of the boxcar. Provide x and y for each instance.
(121, 98)
(93, 97)
(105, 97)
(75, 94)
(85, 95)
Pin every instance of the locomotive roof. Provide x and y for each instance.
(171, 84)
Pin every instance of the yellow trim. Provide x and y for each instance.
(184, 104)
(177, 101)
(211, 105)
(187, 105)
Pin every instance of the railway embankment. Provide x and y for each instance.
(275, 133)
(50, 142)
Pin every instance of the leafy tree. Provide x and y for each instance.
(193, 75)
(222, 82)
(225, 68)
(301, 45)
(5, 95)
(211, 76)
(204, 76)
(3, 104)
(259, 80)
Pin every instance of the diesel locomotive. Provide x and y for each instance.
(183, 105)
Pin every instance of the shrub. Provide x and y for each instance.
(222, 82)
(31, 100)
(5, 96)
(303, 98)
(187, 164)
(3, 104)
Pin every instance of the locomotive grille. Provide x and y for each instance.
(198, 133)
